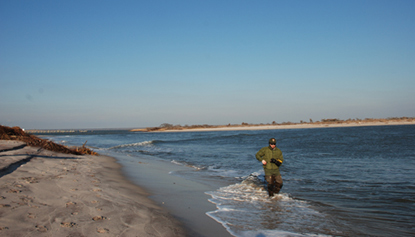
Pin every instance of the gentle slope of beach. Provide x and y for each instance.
(185, 199)
(44, 193)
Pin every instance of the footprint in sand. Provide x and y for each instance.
(68, 204)
(99, 218)
(41, 228)
(30, 180)
(26, 199)
(103, 230)
(68, 224)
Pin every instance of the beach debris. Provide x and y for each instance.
(4, 228)
(16, 133)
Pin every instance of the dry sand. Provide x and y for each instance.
(43, 193)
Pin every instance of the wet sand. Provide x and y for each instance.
(44, 193)
(184, 198)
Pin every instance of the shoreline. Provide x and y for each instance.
(54, 194)
(185, 199)
(283, 126)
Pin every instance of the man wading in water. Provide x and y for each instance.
(271, 158)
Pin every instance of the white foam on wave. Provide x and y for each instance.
(276, 233)
(245, 209)
(145, 143)
(177, 162)
(182, 163)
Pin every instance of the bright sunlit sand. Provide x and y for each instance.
(44, 193)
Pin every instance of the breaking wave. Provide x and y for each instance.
(245, 209)
(145, 143)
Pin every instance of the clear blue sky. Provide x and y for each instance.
(122, 64)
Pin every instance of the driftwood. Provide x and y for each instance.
(16, 133)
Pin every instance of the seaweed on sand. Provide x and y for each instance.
(16, 133)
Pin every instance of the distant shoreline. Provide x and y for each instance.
(244, 126)
(323, 124)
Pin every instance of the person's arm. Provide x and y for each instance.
(259, 156)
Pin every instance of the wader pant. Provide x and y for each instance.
(274, 184)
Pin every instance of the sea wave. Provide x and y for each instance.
(182, 163)
(210, 138)
(144, 143)
(244, 207)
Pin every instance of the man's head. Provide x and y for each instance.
(272, 142)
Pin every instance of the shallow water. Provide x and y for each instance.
(353, 181)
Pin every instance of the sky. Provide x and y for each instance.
(132, 64)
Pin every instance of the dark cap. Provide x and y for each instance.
(272, 141)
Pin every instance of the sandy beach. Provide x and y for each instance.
(185, 199)
(44, 193)
(362, 123)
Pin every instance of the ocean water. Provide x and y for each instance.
(352, 181)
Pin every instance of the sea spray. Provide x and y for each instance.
(245, 208)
